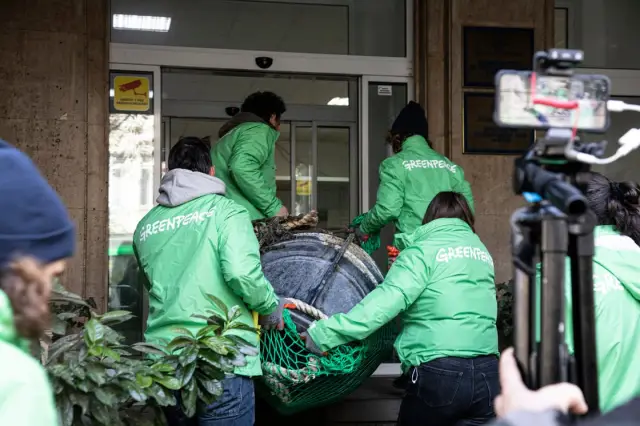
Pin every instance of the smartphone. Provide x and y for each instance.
(515, 106)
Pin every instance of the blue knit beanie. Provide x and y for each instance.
(33, 220)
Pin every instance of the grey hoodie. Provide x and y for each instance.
(180, 186)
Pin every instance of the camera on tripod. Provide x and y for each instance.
(556, 227)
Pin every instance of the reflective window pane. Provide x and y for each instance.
(131, 189)
(333, 177)
(340, 27)
(304, 169)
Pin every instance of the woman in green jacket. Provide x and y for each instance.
(442, 284)
(411, 177)
(36, 236)
(616, 280)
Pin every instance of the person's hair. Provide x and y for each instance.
(449, 205)
(397, 139)
(190, 153)
(28, 291)
(264, 105)
(616, 203)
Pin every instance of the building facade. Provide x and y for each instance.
(97, 91)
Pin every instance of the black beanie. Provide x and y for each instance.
(34, 221)
(412, 119)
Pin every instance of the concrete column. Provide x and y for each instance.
(53, 105)
(438, 77)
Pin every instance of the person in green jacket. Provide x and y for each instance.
(616, 282)
(442, 284)
(195, 242)
(36, 237)
(244, 156)
(412, 177)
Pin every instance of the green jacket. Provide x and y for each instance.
(198, 242)
(443, 286)
(409, 180)
(616, 283)
(244, 160)
(26, 397)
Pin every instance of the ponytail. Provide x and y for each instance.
(616, 204)
(28, 291)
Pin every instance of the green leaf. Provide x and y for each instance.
(179, 343)
(234, 313)
(237, 325)
(216, 361)
(162, 397)
(137, 395)
(61, 346)
(93, 332)
(58, 326)
(216, 344)
(110, 353)
(209, 329)
(97, 373)
(182, 331)
(102, 413)
(172, 383)
(245, 347)
(106, 396)
(65, 409)
(188, 356)
(189, 395)
(219, 304)
(81, 400)
(116, 317)
(143, 381)
(185, 374)
(212, 387)
(148, 348)
(162, 368)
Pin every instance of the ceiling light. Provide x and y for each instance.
(159, 24)
(339, 102)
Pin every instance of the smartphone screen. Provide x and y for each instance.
(515, 106)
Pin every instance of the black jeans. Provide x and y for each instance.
(451, 392)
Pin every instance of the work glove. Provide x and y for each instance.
(274, 320)
(310, 345)
(392, 254)
(360, 236)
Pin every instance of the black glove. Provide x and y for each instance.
(274, 320)
(310, 345)
(360, 236)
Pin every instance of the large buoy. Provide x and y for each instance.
(322, 275)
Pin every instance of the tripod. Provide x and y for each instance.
(557, 225)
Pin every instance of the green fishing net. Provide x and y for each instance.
(295, 379)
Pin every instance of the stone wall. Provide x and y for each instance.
(53, 105)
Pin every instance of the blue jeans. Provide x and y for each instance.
(451, 392)
(236, 407)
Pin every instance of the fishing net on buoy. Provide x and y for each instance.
(321, 274)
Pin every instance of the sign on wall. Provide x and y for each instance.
(131, 93)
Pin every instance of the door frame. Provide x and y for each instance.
(365, 80)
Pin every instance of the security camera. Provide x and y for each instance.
(264, 62)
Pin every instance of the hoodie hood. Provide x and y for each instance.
(180, 186)
(619, 255)
(404, 240)
(238, 119)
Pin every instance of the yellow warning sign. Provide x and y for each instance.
(303, 187)
(131, 93)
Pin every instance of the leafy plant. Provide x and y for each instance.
(202, 359)
(504, 294)
(98, 380)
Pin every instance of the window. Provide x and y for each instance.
(339, 27)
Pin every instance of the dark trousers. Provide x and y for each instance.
(236, 407)
(451, 392)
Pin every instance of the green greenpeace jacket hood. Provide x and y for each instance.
(197, 242)
(443, 286)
